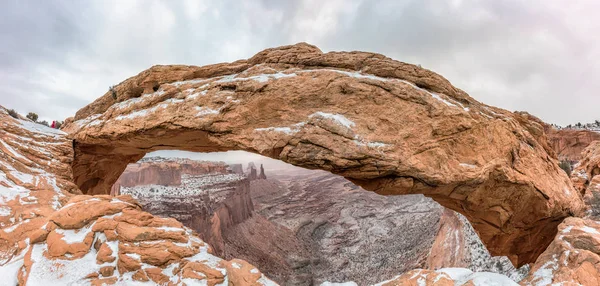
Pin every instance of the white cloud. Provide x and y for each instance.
(538, 56)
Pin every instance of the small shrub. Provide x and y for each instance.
(13, 113)
(113, 92)
(59, 124)
(32, 116)
(44, 122)
(566, 166)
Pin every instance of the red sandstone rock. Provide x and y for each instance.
(390, 127)
(569, 143)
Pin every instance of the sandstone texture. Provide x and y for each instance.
(570, 143)
(390, 127)
(50, 234)
(586, 180)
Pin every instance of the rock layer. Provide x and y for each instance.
(204, 197)
(390, 127)
(570, 143)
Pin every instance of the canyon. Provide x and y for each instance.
(388, 127)
(303, 227)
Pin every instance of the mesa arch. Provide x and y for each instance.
(390, 127)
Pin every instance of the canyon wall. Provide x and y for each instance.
(204, 196)
(570, 143)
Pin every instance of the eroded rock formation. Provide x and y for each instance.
(204, 197)
(390, 127)
(569, 143)
(50, 234)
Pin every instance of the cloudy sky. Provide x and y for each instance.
(539, 56)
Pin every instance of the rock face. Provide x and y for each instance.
(50, 234)
(204, 197)
(251, 171)
(388, 126)
(262, 175)
(569, 143)
(573, 258)
(457, 245)
(166, 172)
(586, 180)
(237, 169)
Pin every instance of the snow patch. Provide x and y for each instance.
(327, 283)
(202, 111)
(468, 165)
(338, 118)
(71, 236)
(591, 230)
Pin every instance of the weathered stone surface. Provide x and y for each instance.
(569, 143)
(573, 258)
(390, 127)
(586, 178)
(49, 235)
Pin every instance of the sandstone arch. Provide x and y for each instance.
(391, 127)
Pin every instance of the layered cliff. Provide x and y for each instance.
(570, 143)
(167, 172)
(204, 196)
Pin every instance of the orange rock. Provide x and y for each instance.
(156, 275)
(127, 263)
(573, 258)
(61, 245)
(569, 143)
(107, 271)
(140, 275)
(105, 254)
(241, 272)
(388, 126)
(70, 218)
(213, 276)
(421, 277)
(130, 232)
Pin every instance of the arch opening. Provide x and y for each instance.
(307, 226)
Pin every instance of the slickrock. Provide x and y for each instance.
(390, 127)
(50, 234)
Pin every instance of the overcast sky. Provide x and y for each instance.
(539, 56)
